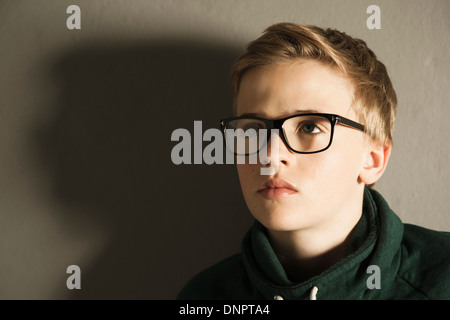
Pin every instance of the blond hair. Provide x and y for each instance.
(374, 98)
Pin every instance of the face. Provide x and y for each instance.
(322, 186)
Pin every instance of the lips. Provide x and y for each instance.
(276, 188)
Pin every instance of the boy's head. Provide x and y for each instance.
(374, 98)
(294, 69)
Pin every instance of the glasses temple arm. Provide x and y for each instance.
(349, 123)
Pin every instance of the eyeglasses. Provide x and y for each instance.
(303, 133)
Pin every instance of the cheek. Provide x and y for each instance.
(314, 172)
(332, 170)
(246, 175)
(342, 164)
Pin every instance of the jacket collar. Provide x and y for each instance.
(375, 241)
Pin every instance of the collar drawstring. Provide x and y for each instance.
(313, 293)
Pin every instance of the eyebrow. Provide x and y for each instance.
(298, 111)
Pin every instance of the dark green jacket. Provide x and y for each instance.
(411, 262)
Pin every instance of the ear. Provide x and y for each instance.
(375, 164)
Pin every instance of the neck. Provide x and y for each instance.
(308, 252)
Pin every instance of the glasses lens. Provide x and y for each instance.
(245, 136)
(307, 133)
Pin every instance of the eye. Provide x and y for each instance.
(254, 126)
(309, 128)
(251, 129)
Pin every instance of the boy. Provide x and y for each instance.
(321, 231)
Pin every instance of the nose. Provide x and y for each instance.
(278, 152)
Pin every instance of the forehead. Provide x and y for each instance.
(281, 89)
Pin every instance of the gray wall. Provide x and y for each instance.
(86, 117)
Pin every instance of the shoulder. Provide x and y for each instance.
(425, 261)
(226, 279)
(419, 242)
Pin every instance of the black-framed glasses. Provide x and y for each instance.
(302, 133)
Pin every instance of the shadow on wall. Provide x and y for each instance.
(107, 151)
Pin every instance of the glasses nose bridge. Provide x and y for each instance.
(277, 124)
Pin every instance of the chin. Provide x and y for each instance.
(283, 220)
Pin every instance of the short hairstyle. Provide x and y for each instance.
(374, 98)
